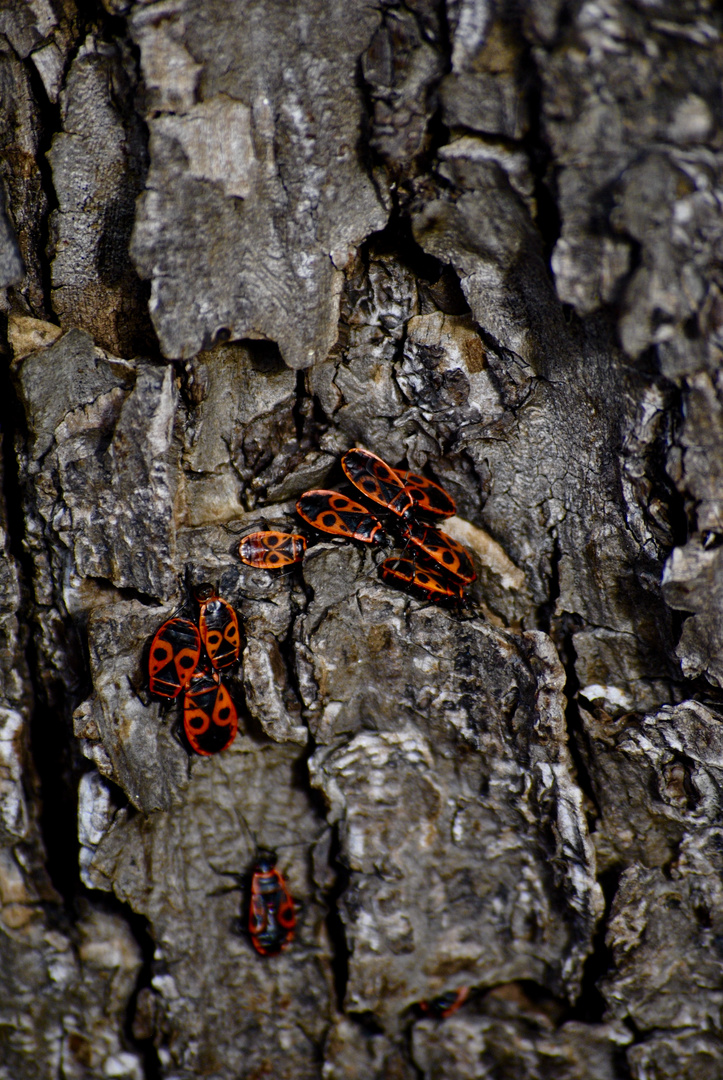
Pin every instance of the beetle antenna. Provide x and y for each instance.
(300, 843)
(246, 827)
(246, 529)
(228, 873)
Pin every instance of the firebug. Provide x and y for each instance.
(174, 655)
(210, 720)
(375, 479)
(271, 549)
(408, 572)
(442, 550)
(332, 512)
(272, 917)
(219, 628)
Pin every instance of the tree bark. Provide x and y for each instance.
(484, 242)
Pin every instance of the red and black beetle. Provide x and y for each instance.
(271, 549)
(272, 917)
(210, 720)
(218, 624)
(332, 512)
(173, 657)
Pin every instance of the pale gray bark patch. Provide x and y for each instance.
(103, 460)
(486, 88)
(655, 983)
(655, 778)
(693, 577)
(513, 1037)
(693, 582)
(98, 162)
(227, 1010)
(690, 1051)
(419, 768)
(354, 1052)
(11, 263)
(637, 146)
(242, 433)
(255, 150)
(66, 1010)
(268, 694)
(401, 68)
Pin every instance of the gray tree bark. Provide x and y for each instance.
(483, 241)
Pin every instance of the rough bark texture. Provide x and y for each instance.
(484, 242)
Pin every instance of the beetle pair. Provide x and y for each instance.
(441, 568)
(175, 665)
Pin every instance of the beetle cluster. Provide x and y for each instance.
(439, 568)
(186, 657)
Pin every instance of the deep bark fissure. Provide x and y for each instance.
(50, 126)
(51, 742)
